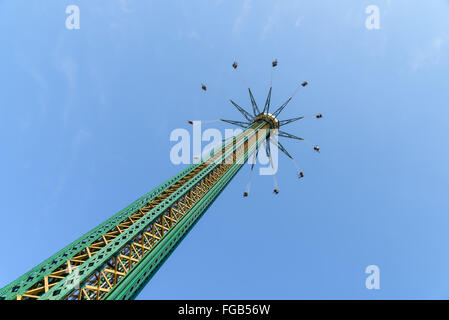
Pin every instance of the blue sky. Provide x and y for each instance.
(86, 115)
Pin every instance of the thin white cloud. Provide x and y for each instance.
(81, 137)
(30, 67)
(298, 21)
(238, 23)
(124, 6)
(192, 35)
(429, 55)
(273, 18)
(69, 69)
(281, 15)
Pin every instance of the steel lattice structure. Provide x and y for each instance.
(116, 259)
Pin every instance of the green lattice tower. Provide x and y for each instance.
(116, 259)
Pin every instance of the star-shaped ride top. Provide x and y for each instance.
(271, 118)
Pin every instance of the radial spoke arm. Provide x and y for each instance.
(256, 110)
(281, 147)
(267, 147)
(242, 111)
(288, 135)
(279, 110)
(237, 123)
(255, 158)
(284, 122)
(266, 109)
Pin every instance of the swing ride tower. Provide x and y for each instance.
(115, 260)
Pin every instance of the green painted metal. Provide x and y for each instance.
(64, 287)
(23, 283)
(27, 280)
(138, 277)
(132, 283)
